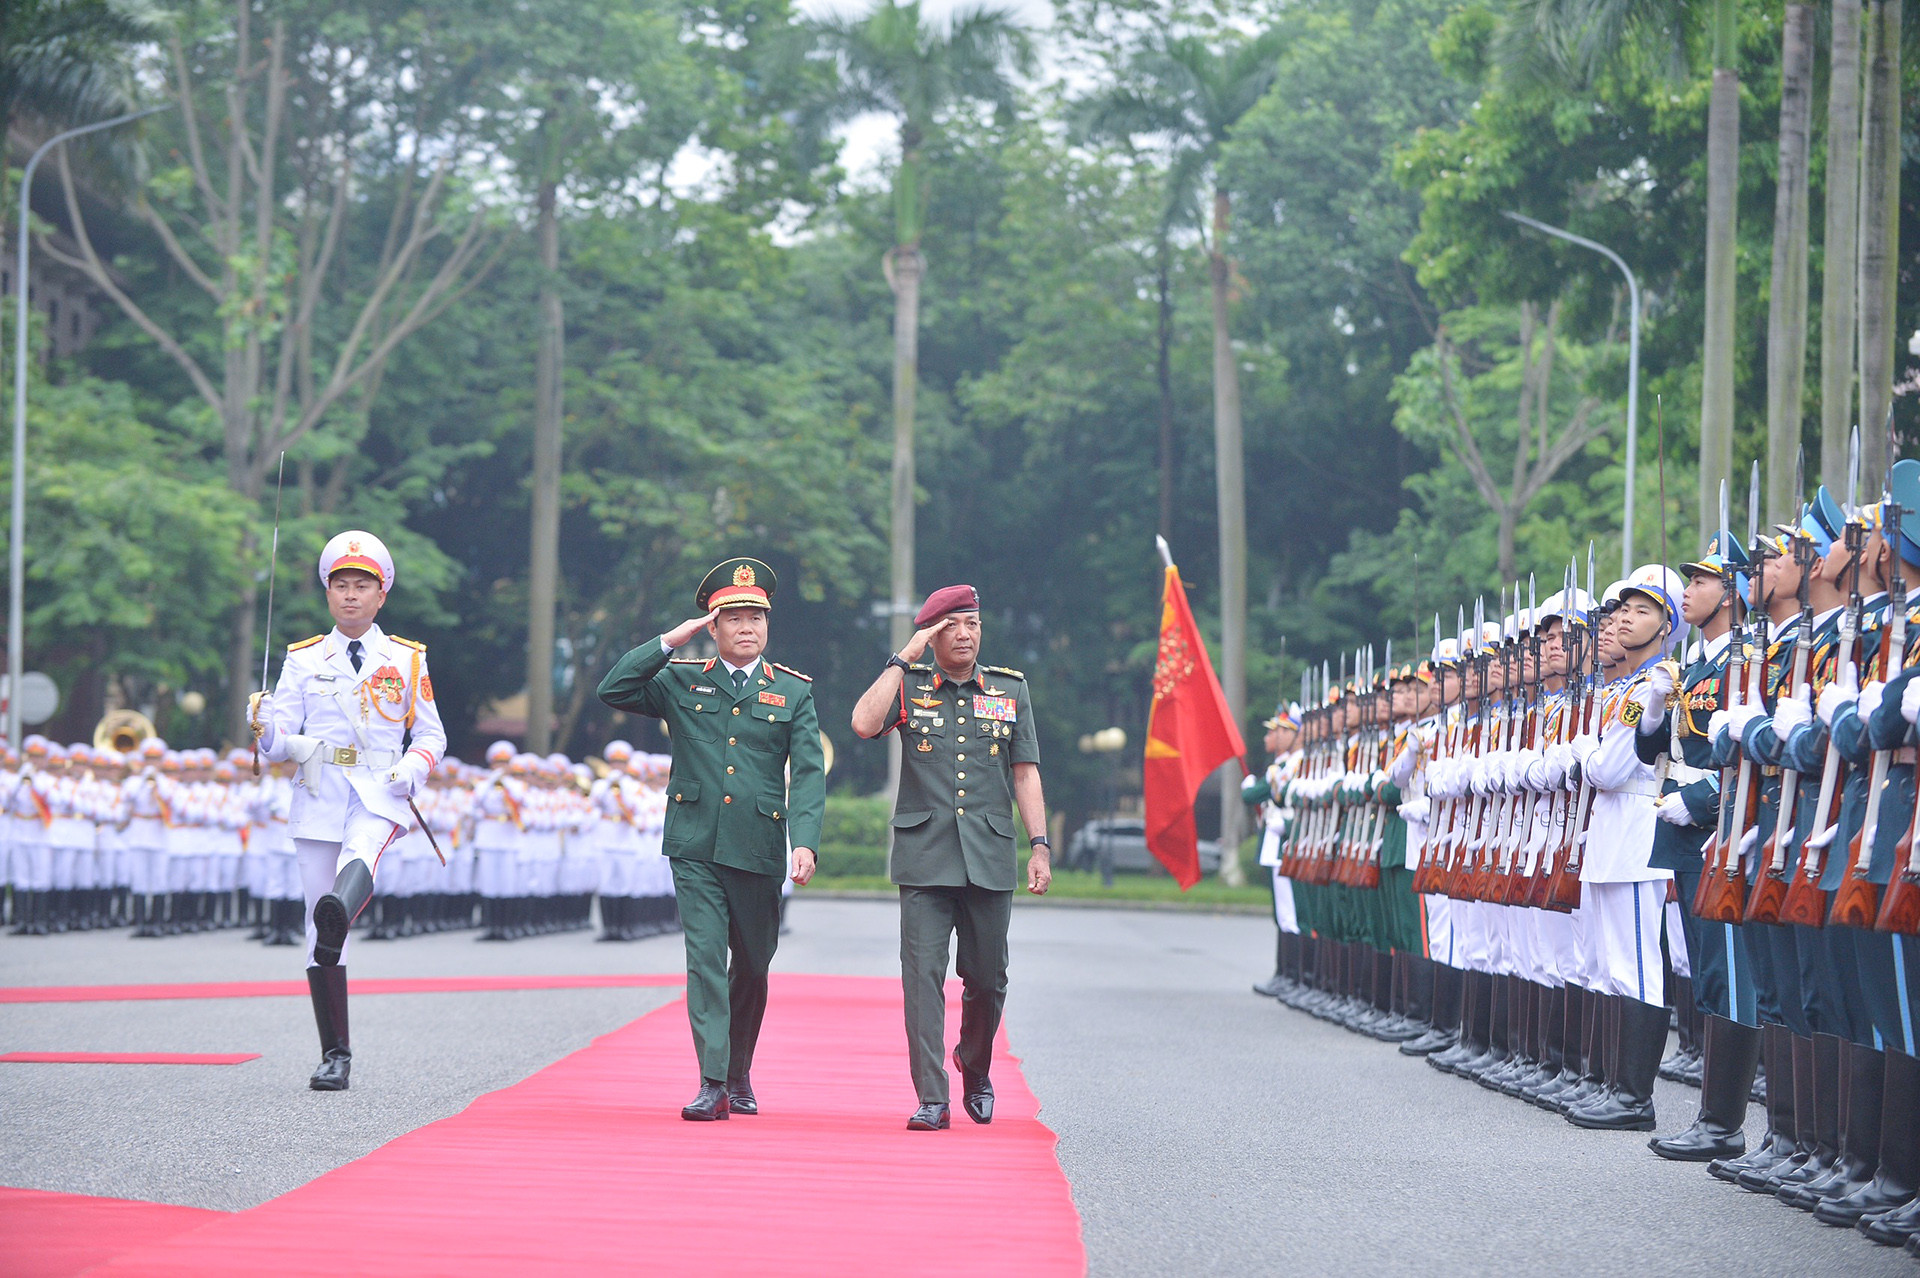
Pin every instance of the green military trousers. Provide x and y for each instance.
(724, 911)
(929, 918)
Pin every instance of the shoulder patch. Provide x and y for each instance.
(1008, 671)
(790, 670)
(415, 644)
(305, 643)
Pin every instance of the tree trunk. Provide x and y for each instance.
(1716, 388)
(1839, 247)
(1230, 481)
(1509, 517)
(1879, 235)
(904, 267)
(1163, 371)
(1787, 307)
(543, 576)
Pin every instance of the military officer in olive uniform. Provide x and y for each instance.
(737, 721)
(969, 753)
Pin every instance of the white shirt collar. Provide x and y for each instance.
(733, 669)
(337, 642)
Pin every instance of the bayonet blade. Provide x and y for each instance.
(1753, 506)
(1853, 473)
(1799, 483)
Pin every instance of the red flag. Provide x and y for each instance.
(1190, 732)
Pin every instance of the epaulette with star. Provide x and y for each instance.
(1009, 671)
(805, 678)
(305, 643)
(414, 644)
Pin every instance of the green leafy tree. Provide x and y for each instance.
(895, 61)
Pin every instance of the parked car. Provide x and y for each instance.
(1121, 845)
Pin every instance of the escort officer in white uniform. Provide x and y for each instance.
(354, 709)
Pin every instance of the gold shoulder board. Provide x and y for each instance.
(790, 670)
(305, 643)
(1009, 671)
(414, 644)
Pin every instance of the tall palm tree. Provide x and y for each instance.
(892, 60)
(1787, 303)
(1840, 238)
(1879, 232)
(1193, 95)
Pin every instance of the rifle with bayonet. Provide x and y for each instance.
(1557, 723)
(1856, 902)
(1722, 894)
(1564, 894)
(1770, 884)
(1806, 903)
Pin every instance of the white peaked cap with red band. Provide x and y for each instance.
(356, 549)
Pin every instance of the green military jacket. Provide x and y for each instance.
(953, 818)
(729, 799)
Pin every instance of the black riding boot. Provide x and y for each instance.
(1731, 1054)
(1629, 1106)
(328, 986)
(334, 913)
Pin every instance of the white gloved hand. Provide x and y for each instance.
(1832, 697)
(1790, 715)
(1715, 722)
(1910, 701)
(1584, 746)
(1416, 811)
(1673, 810)
(1870, 698)
(1743, 715)
(405, 779)
(1749, 840)
(1659, 683)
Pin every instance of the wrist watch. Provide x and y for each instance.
(893, 659)
(1040, 841)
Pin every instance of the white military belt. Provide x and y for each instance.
(1651, 789)
(1685, 775)
(354, 757)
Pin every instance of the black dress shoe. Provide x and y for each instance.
(333, 1074)
(931, 1117)
(740, 1098)
(709, 1106)
(976, 1095)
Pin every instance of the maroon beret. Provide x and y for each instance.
(945, 600)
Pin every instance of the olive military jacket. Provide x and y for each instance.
(729, 799)
(953, 819)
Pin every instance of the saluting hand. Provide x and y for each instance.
(917, 646)
(686, 630)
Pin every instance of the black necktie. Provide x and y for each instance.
(353, 654)
(739, 680)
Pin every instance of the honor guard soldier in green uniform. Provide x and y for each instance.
(737, 720)
(969, 753)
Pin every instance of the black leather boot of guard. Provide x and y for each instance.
(1629, 1107)
(1472, 1040)
(328, 986)
(1894, 1181)
(1731, 1054)
(1445, 1016)
(1603, 1055)
(1674, 1067)
(334, 913)
(1270, 988)
(1899, 1152)
(1553, 1047)
(1816, 1123)
(1694, 1070)
(1861, 1072)
(1493, 1049)
(1776, 1066)
(1416, 997)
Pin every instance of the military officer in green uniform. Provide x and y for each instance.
(969, 753)
(737, 721)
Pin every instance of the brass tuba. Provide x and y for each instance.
(122, 731)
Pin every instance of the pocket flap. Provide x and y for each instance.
(684, 791)
(907, 820)
(1002, 826)
(772, 807)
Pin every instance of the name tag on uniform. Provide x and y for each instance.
(773, 699)
(1004, 709)
(925, 714)
(701, 687)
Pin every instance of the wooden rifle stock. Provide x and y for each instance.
(1900, 903)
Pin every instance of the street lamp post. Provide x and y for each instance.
(1633, 368)
(16, 544)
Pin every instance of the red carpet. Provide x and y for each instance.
(43, 1235)
(128, 1058)
(586, 1167)
(298, 989)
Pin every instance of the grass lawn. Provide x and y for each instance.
(1084, 885)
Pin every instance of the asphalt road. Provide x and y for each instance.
(1205, 1130)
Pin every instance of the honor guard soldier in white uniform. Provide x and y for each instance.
(354, 709)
